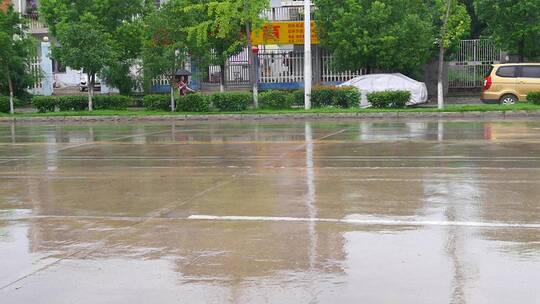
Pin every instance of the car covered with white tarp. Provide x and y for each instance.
(389, 82)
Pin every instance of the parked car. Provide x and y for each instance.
(83, 85)
(511, 82)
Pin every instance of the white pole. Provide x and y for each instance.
(307, 54)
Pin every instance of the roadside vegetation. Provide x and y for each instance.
(325, 100)
(523, 106)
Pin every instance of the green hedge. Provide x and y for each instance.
(193, 103)
(4, 104)
(80, 103)
(338, 97)
(231, 102)
(534, 97)
(276, 100)
(157, 102)
(297, 97)
(72, 103)
(44, 103)
(389, 99)
(112, 102)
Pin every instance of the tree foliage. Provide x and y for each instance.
(477, 25)
(16, 52)
(514, 25)
(458, 25)
(394, 35)
(221, 30)
(117, 26)
(166, 43)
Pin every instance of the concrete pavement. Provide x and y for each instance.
(271, 212)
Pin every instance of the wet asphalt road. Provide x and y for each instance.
(284, 212)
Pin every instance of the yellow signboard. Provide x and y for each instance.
(285, 32)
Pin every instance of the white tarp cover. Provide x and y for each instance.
(383, 82)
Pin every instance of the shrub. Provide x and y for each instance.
(275, 100)
(44, 103)
(389, 99)
(157, 102)
(231, 101)
(534, 97)
(4, 104)
(339, 97)
(297, 97)
(112, 102)
(193, 103)
(72, 103)
(80, 103)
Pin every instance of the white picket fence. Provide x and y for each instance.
(35, 69)
(281, 66)
(278, 66)
(329, 74)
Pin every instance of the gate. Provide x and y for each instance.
(471, 63)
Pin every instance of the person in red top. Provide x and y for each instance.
(183, 87)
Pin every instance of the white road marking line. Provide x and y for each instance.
(374, 222)
(380, 222)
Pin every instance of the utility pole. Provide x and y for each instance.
(307, 54)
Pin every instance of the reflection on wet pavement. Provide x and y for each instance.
(271, 212)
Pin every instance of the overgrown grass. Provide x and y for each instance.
(451, 108)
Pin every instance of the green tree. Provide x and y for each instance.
(513, 24)
(454, 22)
(16, 51)
(477, 26)
(117, 26)
(166, 43)
(224, 28)
(127, 48)
(392, 35)
(85, 45)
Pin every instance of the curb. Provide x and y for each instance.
(285, 116)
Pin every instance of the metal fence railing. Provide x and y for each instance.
(329, 73)
(285, 13)
(281, 66)
(236, 71)
(35, 23)
(278, 66)
(34, 67)
(471, 62)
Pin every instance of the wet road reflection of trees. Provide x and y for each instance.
(338, 177)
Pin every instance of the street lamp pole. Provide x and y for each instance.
(307, 54)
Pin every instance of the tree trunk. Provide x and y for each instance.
(440, 72)
(521, 50)
(10, 86)
(222, 78)
(252, 68)
(173, 103)
(91, 91)
(440, 76)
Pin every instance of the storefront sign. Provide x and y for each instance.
(285, 32)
